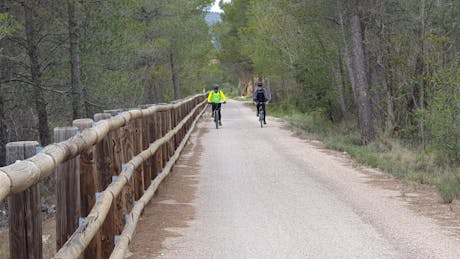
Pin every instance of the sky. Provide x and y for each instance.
(216, 7)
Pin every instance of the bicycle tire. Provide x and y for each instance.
(216, 118)
(261, 119)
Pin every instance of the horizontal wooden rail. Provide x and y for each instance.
(81, 238)
(23, 174)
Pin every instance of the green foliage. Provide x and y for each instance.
(313, 122)
(7, 25)
(443, 119)
(412, 66)
(127, 47)
(449, 187)
(386, 154)
(271, 39)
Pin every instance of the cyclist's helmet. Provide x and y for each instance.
(216, 87)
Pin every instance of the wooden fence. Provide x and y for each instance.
(106, 171)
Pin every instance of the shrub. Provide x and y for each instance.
(443, 119)
(449, 187)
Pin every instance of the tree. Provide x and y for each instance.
(359, 75)
(32, 41)
(78, 99)
(6, 28)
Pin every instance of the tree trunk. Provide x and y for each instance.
(390, 120)
(414, 101)
(335, 74)
(246, 83)
(160, 97)
(284, 91)
(87, 105)
(374, 93)
(249, 86)
(78, 98)
(347, 59)
(149, 91)
(362, 87)
(32, 47)
(388, 87)
(240, 86)
(175, 75)
(422, 82)
(339, 75)
(3, 134)
(418, 92)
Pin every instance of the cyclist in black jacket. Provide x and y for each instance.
(260, 97)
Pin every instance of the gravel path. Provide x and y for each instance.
(246, 192)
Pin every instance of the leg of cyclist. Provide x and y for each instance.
(265, 112)
(213, 106)
(258, 107)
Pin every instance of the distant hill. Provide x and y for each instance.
(212, 18)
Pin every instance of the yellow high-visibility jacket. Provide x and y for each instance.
(218, 97)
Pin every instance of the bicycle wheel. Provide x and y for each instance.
(216, 118)
(261, 118)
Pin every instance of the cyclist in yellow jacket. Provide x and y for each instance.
(216, 97)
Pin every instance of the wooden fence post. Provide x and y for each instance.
(117, 158)
(127, 144)
(67, 191)
(148, 134)
(138, 139)
(146, 137)
(161, 120)
(25, 220)
(105, 165)
(167, 121)
(164, 121)
(104, 162)
(173, 124)
(158, 134)
(170, 117)
(184, 114)
(180, 118)
(89, 185)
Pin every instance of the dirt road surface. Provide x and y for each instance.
(246, 192)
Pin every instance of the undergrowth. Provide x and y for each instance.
(387, 154)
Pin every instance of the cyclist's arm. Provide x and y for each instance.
(209, 96)
(266, 95)
(222, 95)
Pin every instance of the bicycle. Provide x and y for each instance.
(261, 113)
(216, 114)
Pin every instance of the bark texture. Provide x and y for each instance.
(3, 127)
(362, 87)
(78, 98)
(175, 75)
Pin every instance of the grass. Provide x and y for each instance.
(449, 186)
(387, 154)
